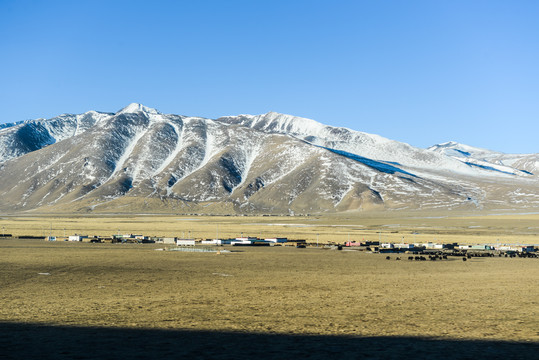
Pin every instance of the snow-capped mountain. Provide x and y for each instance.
(139, 159)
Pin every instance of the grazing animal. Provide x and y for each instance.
(410, 258)
(464, 259)
(398, 258)
(388, 257)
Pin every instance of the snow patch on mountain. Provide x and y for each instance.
(136, 107)
(179, 146)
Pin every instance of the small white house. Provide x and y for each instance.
(277, 240)
(482, 247)
(433, 246)
(240, 242)
(77, 237)
(185, 242)
(215, 242)
(518, 248)
(246, 238)
(404, 246)
(387, 246)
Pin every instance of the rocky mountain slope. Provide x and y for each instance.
(139, 160)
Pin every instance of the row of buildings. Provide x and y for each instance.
(403, 247)
(132, 238)
(374, 246)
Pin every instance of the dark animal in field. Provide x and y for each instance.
(397, 258)
(464, 259)
(410, 258)
(388, 257)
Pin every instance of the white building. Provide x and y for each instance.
(240, 242)
(185, 242)
(246, 238)
(404, 246)
(277, 240)
(433, 246)
(215, 242)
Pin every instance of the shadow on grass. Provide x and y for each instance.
(27, 341)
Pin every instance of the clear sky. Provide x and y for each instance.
(421, 72)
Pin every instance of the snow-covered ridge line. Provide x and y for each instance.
(8, 125)
(451, 156)
(486, 159)
(356, 143)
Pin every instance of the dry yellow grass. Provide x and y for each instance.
(395, 227)
(268, 290)
(65, 297)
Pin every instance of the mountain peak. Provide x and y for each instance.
(136, 107)
(462, 148)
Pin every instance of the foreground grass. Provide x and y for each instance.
(267, 290)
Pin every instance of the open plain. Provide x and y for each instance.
(443, 227)
(82, 300)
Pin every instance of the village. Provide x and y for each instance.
(440, 250)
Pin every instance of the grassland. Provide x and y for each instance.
(408, 227)
(283, 290)
(275, 291)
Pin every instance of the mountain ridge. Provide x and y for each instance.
(139, 159)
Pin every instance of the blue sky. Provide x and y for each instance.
(422, 72)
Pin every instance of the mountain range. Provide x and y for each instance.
(139, 160)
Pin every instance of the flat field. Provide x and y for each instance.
(81, 300)
(409, 227)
